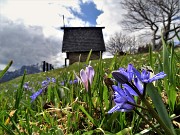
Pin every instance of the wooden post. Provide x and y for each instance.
(65, 62)
(44, 66)
(47, 68)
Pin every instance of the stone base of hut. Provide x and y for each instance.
(81, 56)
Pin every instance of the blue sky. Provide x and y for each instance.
(89, 12)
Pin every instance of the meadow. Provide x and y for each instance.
(66, 104)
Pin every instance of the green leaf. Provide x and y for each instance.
(2, 73)
(159, 105)
(125, 131)
(112, 118)
(165, 57)
(7, 129)
(87, 114)
(19, 92)
(89, 55)
(150, 56)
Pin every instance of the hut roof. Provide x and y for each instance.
(82, 39)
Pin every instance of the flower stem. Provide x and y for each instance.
(136, 105)
(156, 116)
(154, 128)
(150, 109)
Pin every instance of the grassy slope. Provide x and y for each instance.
(138, 60)
(7, 89)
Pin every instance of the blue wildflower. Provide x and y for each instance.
(26, 86)
(139, 86)
(62, 83)
(145, 76)
(70, 82)
(44, 85)
(53, 80)
(124, 75)
(36, 94)
(73, 81)
(123, 100)
(133, 83)
(120, 76)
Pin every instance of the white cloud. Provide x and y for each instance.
(30, 29)
(111, 16)
(45, 13)
(25, 44)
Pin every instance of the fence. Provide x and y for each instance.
(46, 66)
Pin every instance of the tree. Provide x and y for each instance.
(156, 15)
(121, 43)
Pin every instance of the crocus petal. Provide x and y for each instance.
(83, 75)
(90, 73)
(157, 76)
(84, 78)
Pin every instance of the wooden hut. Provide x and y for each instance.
(80, 40)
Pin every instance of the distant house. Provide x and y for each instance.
(80, 40)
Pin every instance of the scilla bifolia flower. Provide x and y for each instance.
(44, 86)
(123, 100)
(144, 76)
(133, 84)
(124, 75)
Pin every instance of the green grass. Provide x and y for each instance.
(76, 111)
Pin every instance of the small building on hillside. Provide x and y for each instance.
(80, 40)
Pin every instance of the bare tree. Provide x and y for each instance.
(121, 43)
(156, 15)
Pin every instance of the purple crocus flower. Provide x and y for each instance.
(122, 99)
(144, 76)
(87, 76)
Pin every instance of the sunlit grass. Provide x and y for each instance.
(72, 109)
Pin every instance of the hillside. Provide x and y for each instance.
(63, 106)
(138, 60)
(32, 69)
